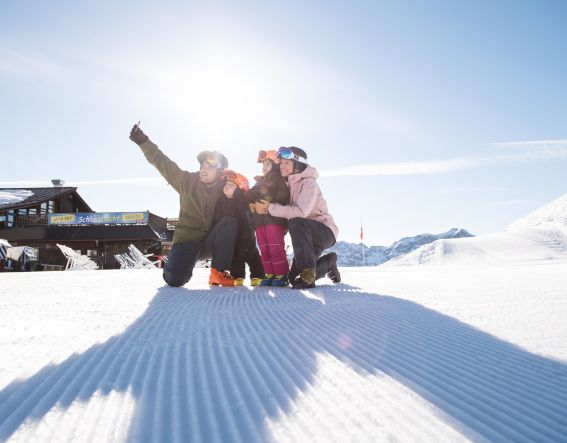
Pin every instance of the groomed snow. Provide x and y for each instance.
(404, 354)
(9, 197)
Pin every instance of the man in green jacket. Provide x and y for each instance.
(195, 238)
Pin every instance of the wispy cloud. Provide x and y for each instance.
(534, 150)
(514, 151)
(511, 203)
(134, 181)
(470, 189)
(25, 183)
(403, 168)
(509, 152)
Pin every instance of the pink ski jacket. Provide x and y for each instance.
(305, 200)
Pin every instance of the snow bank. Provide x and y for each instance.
(547, 224)
(553, 215)
(11, 196)
(5, 243)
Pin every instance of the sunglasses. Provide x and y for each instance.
(288, 154)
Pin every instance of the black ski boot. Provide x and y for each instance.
(293, 273)
(333, 273)
(327, 265)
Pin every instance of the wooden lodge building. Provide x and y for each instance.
(43, 217)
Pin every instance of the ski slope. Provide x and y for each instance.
(408, 354)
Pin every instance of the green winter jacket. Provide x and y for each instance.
(196, 200)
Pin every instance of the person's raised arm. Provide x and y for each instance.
(166, 167)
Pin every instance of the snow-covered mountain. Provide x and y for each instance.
(350, 254)
(540, 235)
(408, 244)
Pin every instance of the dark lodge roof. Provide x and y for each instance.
(41, 195)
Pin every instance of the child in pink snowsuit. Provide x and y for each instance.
(270, 231)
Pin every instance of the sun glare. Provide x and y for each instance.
(223, 92)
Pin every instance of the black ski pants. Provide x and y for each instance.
(252, 257)
(309, 239)
(218, 245)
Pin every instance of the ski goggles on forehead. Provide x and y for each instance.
(288, 154)
(229, 175)
(214, 162)
(266, 155)
(238, 179)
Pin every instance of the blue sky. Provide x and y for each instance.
(420, 115)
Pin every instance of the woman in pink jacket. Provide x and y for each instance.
(311, 227)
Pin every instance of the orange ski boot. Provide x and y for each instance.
(220, 278)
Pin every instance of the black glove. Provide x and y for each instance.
(137, 135)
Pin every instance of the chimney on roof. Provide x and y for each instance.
(57, 182)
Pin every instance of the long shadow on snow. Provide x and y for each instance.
(213, 366)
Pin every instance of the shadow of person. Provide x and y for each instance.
(216, 365)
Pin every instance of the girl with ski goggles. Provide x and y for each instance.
(288, 154)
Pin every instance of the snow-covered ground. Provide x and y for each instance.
(444, 353)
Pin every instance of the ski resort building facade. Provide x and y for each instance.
(43, 217)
